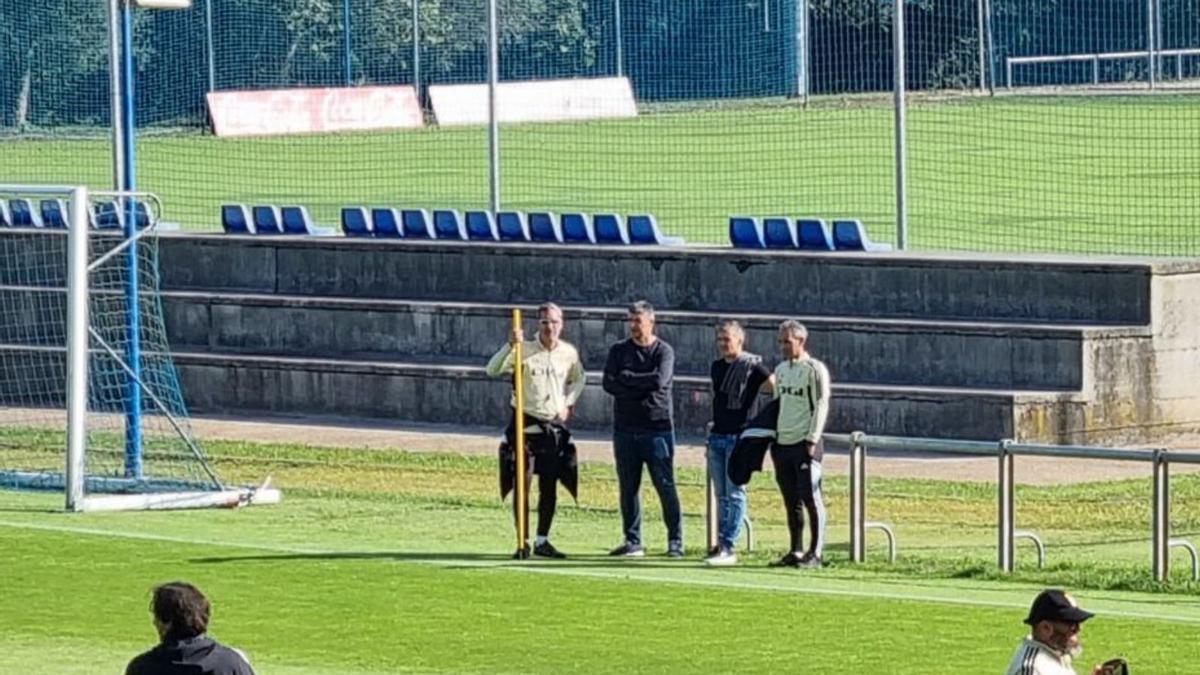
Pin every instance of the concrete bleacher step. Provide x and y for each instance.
(251, 384)
(882, 351)
(974, 287)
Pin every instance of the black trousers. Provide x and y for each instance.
(542, 459)
(799, 479)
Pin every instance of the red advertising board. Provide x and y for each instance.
(278, 112)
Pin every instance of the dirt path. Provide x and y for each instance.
(595, 447)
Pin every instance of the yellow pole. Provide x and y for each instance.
(519, 424)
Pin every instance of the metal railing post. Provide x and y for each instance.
(1004, 490)
(1160, 526)
(858, 498)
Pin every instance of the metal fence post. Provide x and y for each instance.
(347, 43)
(493, 122)
(1161, 520)
(1150, 41)
(980, 22)
(416, 50)
(858, 498)
(901, 124)
(619, 38)
(1004, 490)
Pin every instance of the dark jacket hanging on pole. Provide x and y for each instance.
(558, 455)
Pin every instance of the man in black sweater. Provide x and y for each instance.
(181, 617)
(639, 374)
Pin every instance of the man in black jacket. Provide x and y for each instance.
(639, 374)
(181, 616)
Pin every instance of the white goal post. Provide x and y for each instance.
(179, 475)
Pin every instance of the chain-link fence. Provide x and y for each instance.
(1031, 126)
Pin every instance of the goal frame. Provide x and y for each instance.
(78, 332)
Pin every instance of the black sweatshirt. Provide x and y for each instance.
(639, 380)
(200, 655)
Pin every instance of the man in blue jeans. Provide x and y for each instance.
(638, 374)
(737, 377)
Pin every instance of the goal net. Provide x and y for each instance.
(90, 402)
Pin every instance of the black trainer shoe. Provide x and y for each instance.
(521, 553)
(547, 550)
(788, 560)
(675, 549)
(628, 550)
(810, 560)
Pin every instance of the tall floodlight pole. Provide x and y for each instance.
(619, 37)
(900, 123)
(123, 136)
(493, 123)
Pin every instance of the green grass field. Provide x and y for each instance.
(1104, 174)
(384, 562)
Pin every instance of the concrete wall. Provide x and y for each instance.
(710, 280)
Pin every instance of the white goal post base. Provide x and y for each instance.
(120, 494)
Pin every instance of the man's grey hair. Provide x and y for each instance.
(794, 328)
(732, 326)
(547, 307)
(642, 307)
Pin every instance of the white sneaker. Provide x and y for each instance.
(723, 558)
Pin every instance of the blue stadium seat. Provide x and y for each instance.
(779, 233)
(577, 228)
(235, 218)
(545, 227)
(512, 226)
(386, 223)
(356, 222)
(54, 214)
(417, 224)
(448, 224)
(814, 234)
(267, 220)
(610, 229)
(481, 226)
(643, 230)
(5, 216)
(745, 232)
(23, 213)
(850, 235)
(297, 221)
(106, 216)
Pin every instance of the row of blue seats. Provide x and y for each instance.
(53, 214)
(803, 234)
(452, 225)
(241, 219)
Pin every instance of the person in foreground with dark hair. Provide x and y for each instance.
(181, 614)
(1053, 643)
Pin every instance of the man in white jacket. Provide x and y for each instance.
(553, 379)
(1053, 641)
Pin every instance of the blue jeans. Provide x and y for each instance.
(656, 451)
(731, 498)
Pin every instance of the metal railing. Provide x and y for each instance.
(1005, 452)
(1096, 58)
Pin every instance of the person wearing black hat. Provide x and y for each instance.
(1053, 642)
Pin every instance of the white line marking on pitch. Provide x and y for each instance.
(619, 574)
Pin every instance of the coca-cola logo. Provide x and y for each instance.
(299, 111)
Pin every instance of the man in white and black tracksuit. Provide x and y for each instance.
(802, 389)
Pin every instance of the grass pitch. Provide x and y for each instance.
(1111, 174)
(384, 562)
